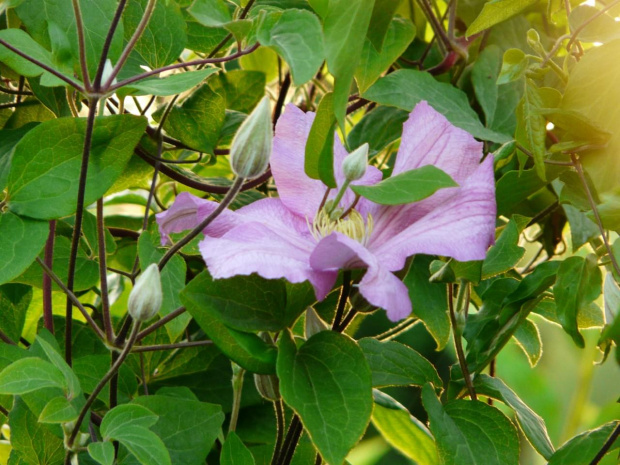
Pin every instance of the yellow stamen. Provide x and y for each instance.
(352, 226)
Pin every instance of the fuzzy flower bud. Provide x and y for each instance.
(251, 146)
(146, 295)
(107, 71)
(355, 164)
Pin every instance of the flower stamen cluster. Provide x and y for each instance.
(353, 226)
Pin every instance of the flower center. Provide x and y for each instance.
(353, 226)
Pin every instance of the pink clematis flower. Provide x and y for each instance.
(291, 237)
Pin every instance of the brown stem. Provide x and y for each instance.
(72, 297)
(113, 369)
(77, 228)
(597, 217)
(48, 317)
(177, 345)
(161, 322)
(459, 345)
(77, 12)
(103, 274)
(230, 196)
(156, 71)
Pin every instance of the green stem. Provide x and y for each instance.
(237, 385)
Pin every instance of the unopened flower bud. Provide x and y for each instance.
(355, 164)
(146, 295)
(314, 323)
(107, 72)
(267, 386)
(251, 146)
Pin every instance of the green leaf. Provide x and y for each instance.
(245, 303)
(533, 426)
(516, 186)
(345, 26)
(8, 140)
(210, 13)
(187, 427)
(58, 410)
(379, 128)
(584, 447)
(86, 270)
(597, 28)
(43, 182)
(91, 368)
(373, 63)
(125, 416)
(428, 300)
(319, 158)
(144, 445)
(234, 452)
(22, 240)
(506, 252)
(410, 186)
(514, 65)
(243, 89)
(30, 374)
(52, 353)
(246, 349)
(382, 14)
(506, 304)
(484, 76)
(197, 122)
(328, 383)
(169, 85)
(528, 338)
(403, 431)
(406, 87)
(395, 364)
(23, 42)
(14, 302)
(471, 432)
(33, 442)
(102, 452)
(578, 284)
(496, 11)
(172, 279)
(596, 104)
(297, 37)
(165, 36)
(532, 133)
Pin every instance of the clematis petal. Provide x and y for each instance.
(301, 194)
(272, 242)
(378, 286)
(462, 227)
(187, 212)
(430, 139)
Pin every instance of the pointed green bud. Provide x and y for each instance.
(251, 146)
(146, 295)
(355, 164)
(107, 72)
(314, 323)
